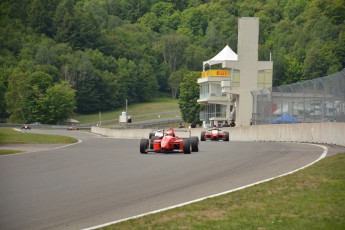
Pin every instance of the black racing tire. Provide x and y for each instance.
(151, 135)
(226, 136)
(202, 136)
(144, 144)
(186, 146)
(194, 141)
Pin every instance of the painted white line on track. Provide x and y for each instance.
(323, 155)
(40, 150)
(79, 141)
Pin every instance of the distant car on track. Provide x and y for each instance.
(26, 126)
(72, 128)
(166, 141)
(214, 134)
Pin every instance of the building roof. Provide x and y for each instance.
(227, 54)
(70, 120)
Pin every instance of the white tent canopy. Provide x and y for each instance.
(227, 54)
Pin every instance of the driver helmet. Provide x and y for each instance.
(158, 133)
(170, 132)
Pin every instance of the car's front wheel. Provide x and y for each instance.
(144, 144)
(202, 136)
(186, 146)
(226, 136)
(194, 141)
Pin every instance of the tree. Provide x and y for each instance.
(37, 85)
(213, 37)
(127, 79)
(194, 56)
(88, 96)
(335, 11)
(2, 99)
(77, 68)
(163, 73)
(16, 91)
(46, 52)
(175, 80)
(293, 71)
(63, 22)
(172, 48)
(57, 104)
(128, 10)
(340, 50)
(11, 37)
(133, 42)
(189, 94)
(86, 31)
(41, 14)
(193, 23)
(315, 63)
(146, 85)
(51, 70)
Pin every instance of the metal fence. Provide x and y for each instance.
(317, 100)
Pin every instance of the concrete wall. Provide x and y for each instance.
(322, 133)
(122, 133)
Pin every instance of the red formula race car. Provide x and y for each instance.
(26, 126)
(214, 134)
(169, 142)
(72, 128)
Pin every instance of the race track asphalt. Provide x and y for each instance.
(103, 179)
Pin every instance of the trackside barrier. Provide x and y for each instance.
(122, 133)
(322, 133)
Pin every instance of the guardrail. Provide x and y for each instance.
(322, 133)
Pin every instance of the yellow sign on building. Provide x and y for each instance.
(215, 73)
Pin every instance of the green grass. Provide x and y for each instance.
(151, 109)
(7, 152)
(313, 198)
(10, 136)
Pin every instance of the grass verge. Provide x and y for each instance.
(158, 105)
(10, 136)
(312, 198)
(7, 151)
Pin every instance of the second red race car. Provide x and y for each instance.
(169, 142)
(214, 134)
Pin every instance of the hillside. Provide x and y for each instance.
(64, 56)
(159, 109)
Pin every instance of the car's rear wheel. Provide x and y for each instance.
(226, 136)
(151, 135)
(202, 136)
(144, 144)
(194, 141)
(186, 146)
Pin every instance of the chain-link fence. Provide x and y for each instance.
(317, 100)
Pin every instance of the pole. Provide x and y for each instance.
(126, 113)
(100, 118)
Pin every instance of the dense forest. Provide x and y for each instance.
(63, 56)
